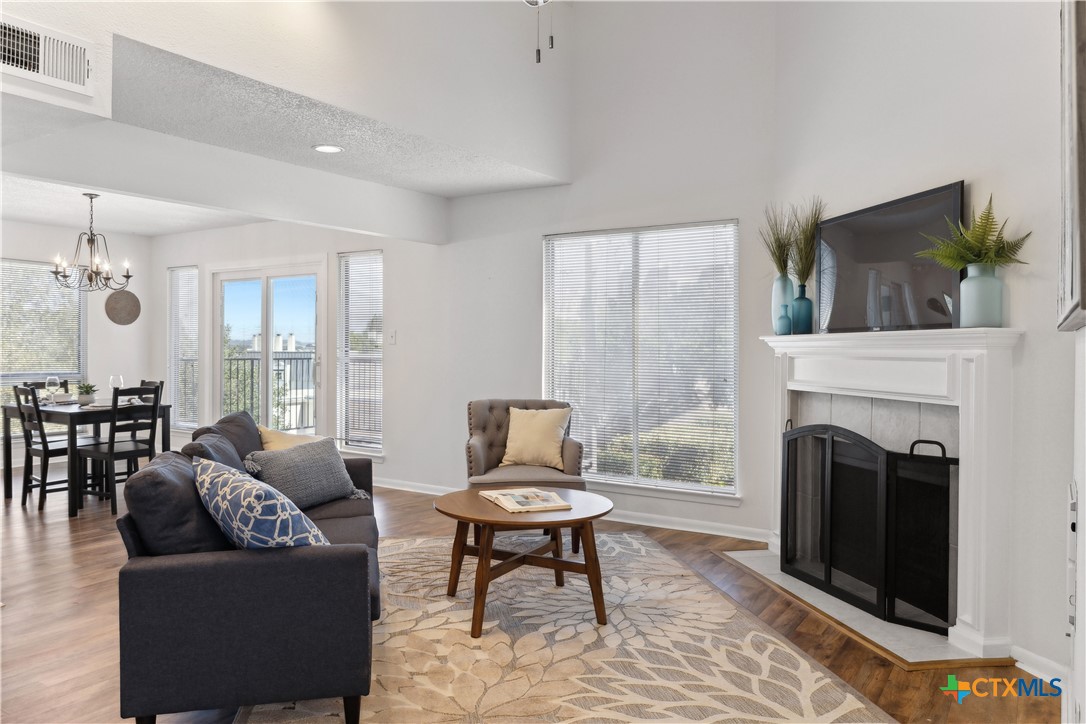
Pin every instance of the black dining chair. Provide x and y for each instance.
(39, 445)
(130, 438)
(41, 385)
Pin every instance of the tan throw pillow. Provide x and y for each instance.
(535, 437)
(276, 440)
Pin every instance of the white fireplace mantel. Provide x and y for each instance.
(970, 369)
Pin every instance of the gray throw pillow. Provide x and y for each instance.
(214, 446)
(167, 511)
(237, 427)
(308, 474)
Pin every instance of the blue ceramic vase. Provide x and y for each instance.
(981, 297)
(802, 312)
(782, 294)
(783, 323)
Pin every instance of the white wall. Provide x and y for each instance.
(880, 100)
(673, 124)
(413, 375)
(111, 348)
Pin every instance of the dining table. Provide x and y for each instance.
(74, 416)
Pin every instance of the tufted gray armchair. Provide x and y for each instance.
(488, 430)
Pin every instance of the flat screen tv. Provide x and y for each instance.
(868, 275)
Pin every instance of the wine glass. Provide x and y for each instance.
(52, 384)
(116, 381)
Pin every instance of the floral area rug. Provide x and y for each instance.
(674, 648)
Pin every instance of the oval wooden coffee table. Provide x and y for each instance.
(467, 507)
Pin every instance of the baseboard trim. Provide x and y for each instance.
(693, 526)
(1039, 666)
(413, 487)
(621, 516)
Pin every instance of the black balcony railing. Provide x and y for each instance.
(293, 405)
(293, 393)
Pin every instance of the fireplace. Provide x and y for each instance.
(969, 374)
(870, 526)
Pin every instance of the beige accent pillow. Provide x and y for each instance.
(535, 437)
(277, 440)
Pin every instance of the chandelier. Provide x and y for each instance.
(97, 273)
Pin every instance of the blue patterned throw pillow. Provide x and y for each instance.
(252, 514)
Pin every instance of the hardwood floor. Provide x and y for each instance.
(59, 622)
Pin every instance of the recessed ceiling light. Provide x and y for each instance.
(327, 148)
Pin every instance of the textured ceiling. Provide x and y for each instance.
(41, 202)
(168, 93)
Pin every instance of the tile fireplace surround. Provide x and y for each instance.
(966, 369)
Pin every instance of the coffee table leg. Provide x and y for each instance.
(556, 538)
(482, 580)
(459, 541)
(592, 563)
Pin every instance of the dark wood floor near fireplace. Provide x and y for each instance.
(60, 624)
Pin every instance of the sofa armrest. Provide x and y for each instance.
(572, 453)
(232, 628)
(476, 452)
(361, 472)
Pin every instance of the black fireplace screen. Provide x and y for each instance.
(869, 526)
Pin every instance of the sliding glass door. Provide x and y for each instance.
(267, 348)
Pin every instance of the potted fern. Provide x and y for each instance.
(979, 250)
(805, 221)
(778, 236)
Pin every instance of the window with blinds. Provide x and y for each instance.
(640, 338)
(359, 344)
(42, 326)
(183, 346)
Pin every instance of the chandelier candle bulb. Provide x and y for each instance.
(97, 274)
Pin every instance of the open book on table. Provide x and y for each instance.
(526, 500)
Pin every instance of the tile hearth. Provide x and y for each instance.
(910, 644)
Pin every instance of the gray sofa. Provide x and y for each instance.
(204, 625)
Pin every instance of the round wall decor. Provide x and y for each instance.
(122, 307)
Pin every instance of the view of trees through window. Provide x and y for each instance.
(291, 350)
(640, 340)
(42, 327)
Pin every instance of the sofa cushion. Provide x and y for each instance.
(214, 446)
(237, 427)
(535, 437)
(250, 513)
(166, 509)
(308, 474)
(342, 508)
(361, 529)
(278, 440)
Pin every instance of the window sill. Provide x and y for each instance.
(377, 456)
(703, 497)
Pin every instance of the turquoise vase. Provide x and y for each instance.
(802, 312)
(782, 294)
(783, 324)
(981, 299)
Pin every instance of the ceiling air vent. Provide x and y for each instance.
(45, 56)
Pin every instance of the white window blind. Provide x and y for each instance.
(183, 371)
(640, 338)
(360, 375)
(43, 328)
